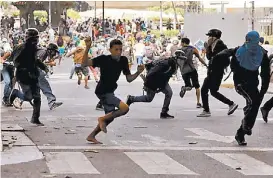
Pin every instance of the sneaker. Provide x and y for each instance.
(17, 103)
(55, 105)
(188, 88)
(129, 100)
(7, 104)
(182, 92)
(232, 108)
(204, 114)
(240, 139)
(86, 87)
(265, 114)
(199, 105)
(99, 107)
(165, 116)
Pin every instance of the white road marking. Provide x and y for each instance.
(158, 163)
(69, 163)
(18, 138)
(158, 141)
(17, 155)
(248, 165)
(207, 135)
(157, 148)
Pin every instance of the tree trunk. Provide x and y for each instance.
(175, 15)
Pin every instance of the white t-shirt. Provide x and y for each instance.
(139, 49)
(268, 48)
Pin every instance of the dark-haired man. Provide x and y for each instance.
(111, 67)
(188, 70)
(215, 73)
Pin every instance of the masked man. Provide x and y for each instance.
(245, 63)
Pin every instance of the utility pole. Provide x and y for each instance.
(103, 23)
(252, 14)
(95, 9)
(49, 14)
(161, 17)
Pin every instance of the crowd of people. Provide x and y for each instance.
(30, 59)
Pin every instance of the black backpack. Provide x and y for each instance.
(158, 75)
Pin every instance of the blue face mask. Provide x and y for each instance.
(250, 55)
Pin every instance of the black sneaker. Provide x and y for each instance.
(265, 114)
(165, 116)
(199, 105)
(232, 108)
(129, 100)
(240, 140)
(99, 107)
(182, 92)
(55, 105)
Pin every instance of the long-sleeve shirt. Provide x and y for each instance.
(244, 76)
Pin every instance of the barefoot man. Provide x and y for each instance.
(111, 67)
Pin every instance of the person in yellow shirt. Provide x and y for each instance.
(78, 61)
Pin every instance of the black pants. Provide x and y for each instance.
(212, 83)
(151, 94)
(32, 92)
(269, 104)
(252, 97)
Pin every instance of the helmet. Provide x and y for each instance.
(32, 33)
(214, 33)
(52, 47)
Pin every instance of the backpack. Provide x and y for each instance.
(188, 65)
(158, 75)
(149, 52)
(60, 41)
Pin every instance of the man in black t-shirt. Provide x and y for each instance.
(110, 69)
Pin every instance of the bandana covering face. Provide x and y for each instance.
(250, 55)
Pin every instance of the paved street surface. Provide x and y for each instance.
(138, 145)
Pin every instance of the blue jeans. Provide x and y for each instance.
(7, 80)
(139, 60)
(45, 87)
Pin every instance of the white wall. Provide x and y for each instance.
(234, 27)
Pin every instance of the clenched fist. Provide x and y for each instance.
(88, 42)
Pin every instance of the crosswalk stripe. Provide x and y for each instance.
(247, 164)
(69, 163)
(158, 163)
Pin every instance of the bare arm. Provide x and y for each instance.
(132, 77)
(196, 53)
(6, 55)
(71, 53)
(87, 62)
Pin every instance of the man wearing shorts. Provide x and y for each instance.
(188, 70)
(111, 67)
(79, 69)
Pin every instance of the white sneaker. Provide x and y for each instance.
(17, 103)
(204, 114)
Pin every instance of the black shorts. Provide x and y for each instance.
(83, 70)
(191, 79)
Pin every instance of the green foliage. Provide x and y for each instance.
(40, 14)
(73, 14)
(167, 33)
(15, 13)
(5, 4)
